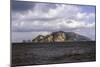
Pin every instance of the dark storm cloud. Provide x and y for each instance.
(27, 5)
(22, 5)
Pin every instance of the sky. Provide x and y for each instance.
(30, 19)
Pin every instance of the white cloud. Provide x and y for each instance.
(58, 24)
(61, 11)
(81, 15)
(85, 16)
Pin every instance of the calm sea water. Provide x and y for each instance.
(50, 53)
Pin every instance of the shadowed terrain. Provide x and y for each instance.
(52, 53)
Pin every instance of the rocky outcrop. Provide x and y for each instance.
(60, 36)
(38, 38)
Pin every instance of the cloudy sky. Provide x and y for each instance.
(30, 19)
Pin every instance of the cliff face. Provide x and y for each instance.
(38, 38)
(60, 36)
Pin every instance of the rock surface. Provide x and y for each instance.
(60, 36)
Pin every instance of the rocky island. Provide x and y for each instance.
(60, 36)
